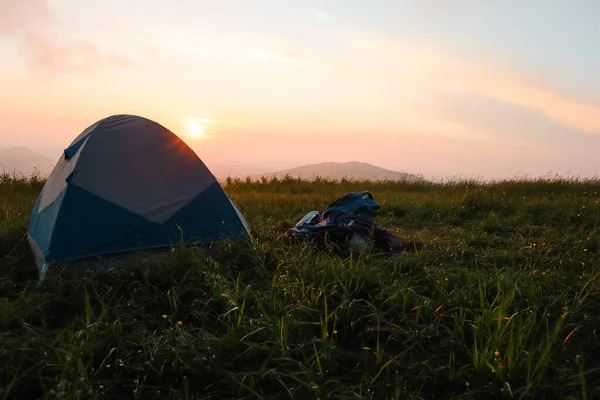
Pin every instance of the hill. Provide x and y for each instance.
(24, 161)
(351, 170)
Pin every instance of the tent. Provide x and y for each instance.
(127, 183)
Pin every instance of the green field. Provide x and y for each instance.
(496, 296)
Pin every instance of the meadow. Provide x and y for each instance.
(496, 296)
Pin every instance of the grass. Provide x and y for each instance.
(497, 296)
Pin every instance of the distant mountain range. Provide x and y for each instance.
(352, 170)
(21, 160)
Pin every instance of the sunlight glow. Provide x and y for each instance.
(196, 127)
(196, 130)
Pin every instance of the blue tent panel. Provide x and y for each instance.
(74, 148)
(210, 216)
(88, 225)
(112, 229)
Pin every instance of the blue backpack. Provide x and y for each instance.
(350, 215)
(356, 203)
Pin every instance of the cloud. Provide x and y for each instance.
(286, 59)
(355, 105)
(236, 50)
(53, 55)
(15, 16)
(320, 15)
(418, 117)
(399, 62)
(199, 120)
(38, 30)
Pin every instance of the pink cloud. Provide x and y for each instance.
(51, 55)
(33, 24)
(19, 16)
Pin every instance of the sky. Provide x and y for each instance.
(443, 88)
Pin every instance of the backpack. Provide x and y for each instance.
(348, 221)
(354, 202)
(354, 209)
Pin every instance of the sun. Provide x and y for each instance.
(195, 130)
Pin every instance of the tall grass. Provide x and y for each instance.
(497, 296)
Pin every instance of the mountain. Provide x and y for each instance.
(222, 171)
(21, 160)
(350, 170)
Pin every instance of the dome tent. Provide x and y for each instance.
(127, 183)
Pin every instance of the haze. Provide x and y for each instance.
(456, 87)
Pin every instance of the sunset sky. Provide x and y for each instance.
(469, 87)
